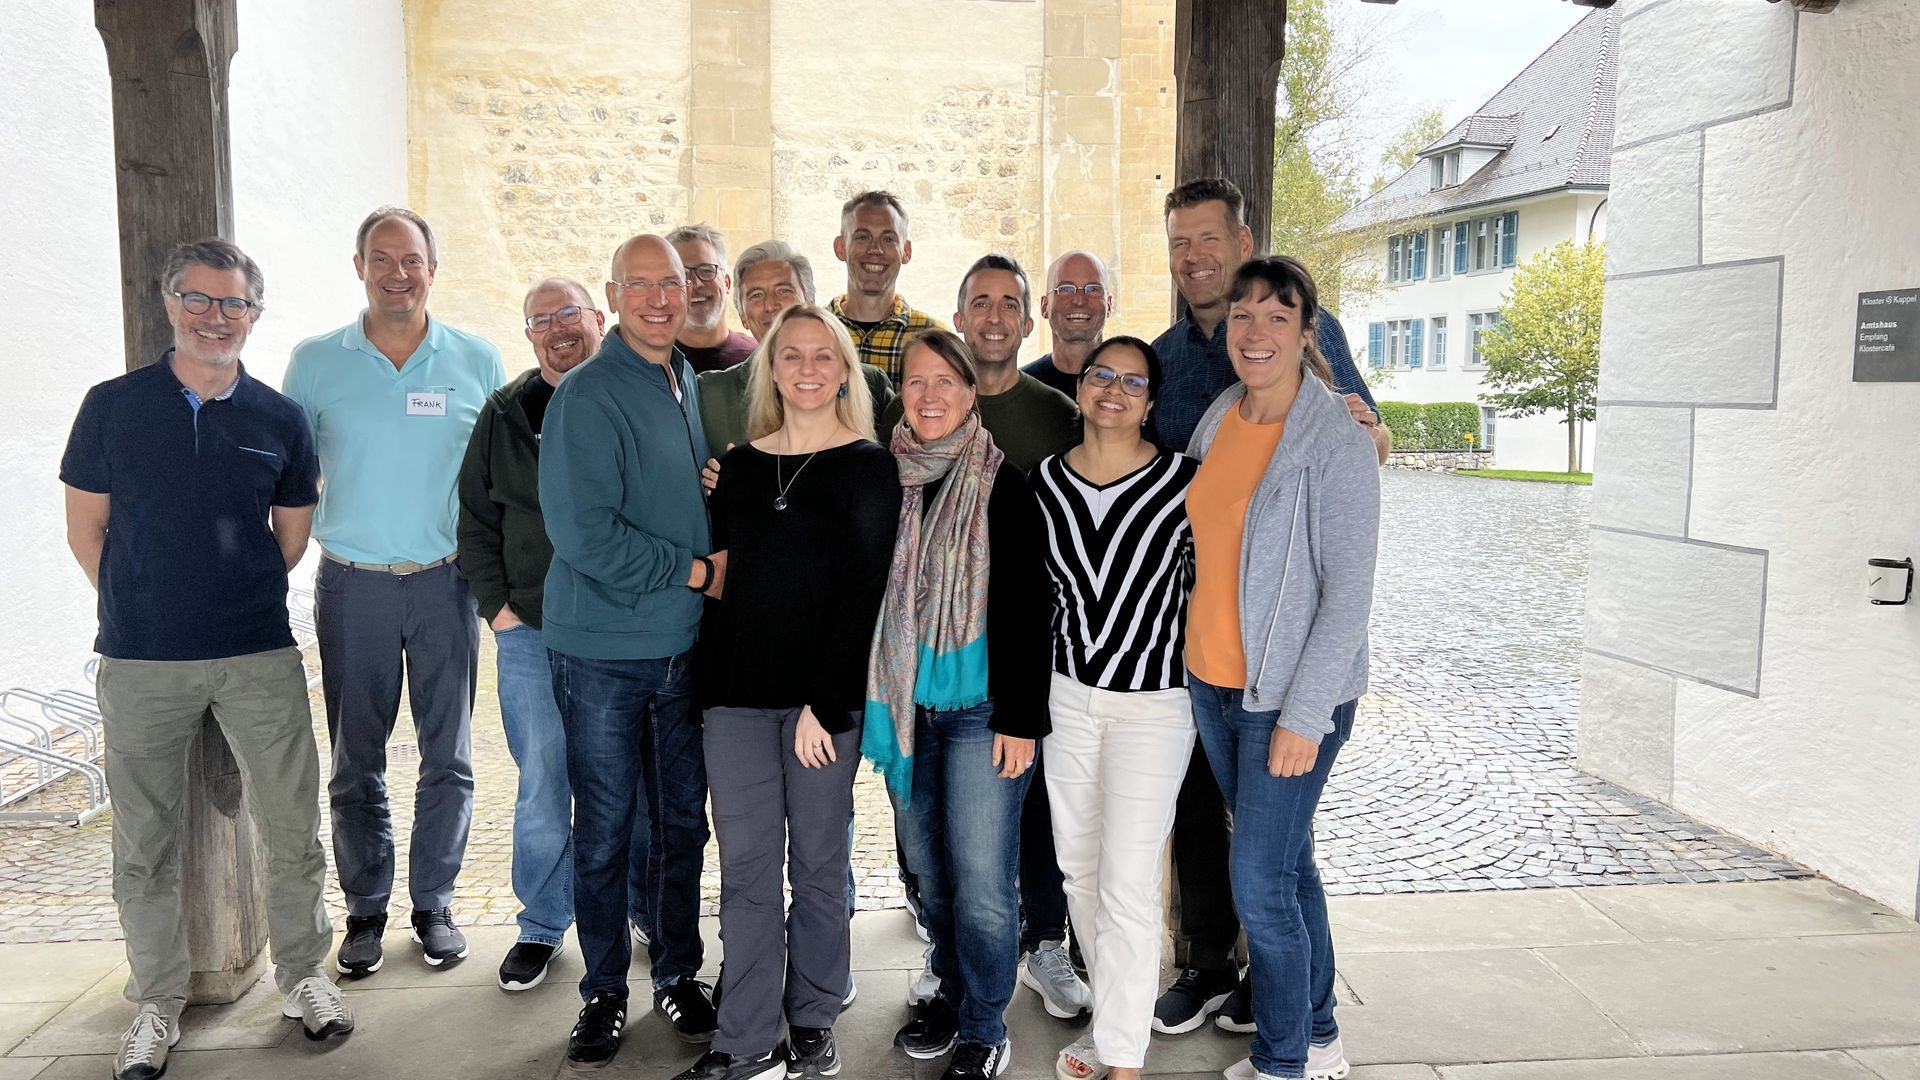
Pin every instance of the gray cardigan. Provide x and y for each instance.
(1306, 560)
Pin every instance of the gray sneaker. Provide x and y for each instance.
(321, 1010)
(1048, 971)
(440, 941)
(143, 1049)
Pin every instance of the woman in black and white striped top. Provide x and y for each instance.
(1120, 553)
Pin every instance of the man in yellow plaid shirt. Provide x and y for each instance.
(873, 243)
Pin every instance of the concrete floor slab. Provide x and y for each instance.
(885, 940)
(1760, 909)
(94, 1022)
(56, 972)
(1818, 1065)
(1467, 1006)
(17, 1021)
(23, 1068)
(1891, 1062)
(1488, 920)
(1760, 994)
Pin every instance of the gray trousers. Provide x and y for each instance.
(374, 628)
(152, 710)
(792, 967)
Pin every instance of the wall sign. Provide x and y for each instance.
(1886, 337)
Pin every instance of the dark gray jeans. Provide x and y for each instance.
(373, 627)
(793, 967)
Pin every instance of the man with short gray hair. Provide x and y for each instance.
(190, 493)
(706, 341)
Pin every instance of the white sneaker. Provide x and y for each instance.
(925, 985)
(1328, 1062)
(1048, 971)
(641, 939)
(143, 1049)
(320, 1008)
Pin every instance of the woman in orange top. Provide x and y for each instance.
(1286, 517)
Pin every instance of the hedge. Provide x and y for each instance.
(1441, 425)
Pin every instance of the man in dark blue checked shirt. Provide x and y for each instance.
(1207, 240)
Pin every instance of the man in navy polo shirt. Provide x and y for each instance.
(190, 492)
(1207, 241)
(392, 397)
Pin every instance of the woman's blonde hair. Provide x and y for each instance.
(766, 412)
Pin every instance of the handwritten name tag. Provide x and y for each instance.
(423, 404)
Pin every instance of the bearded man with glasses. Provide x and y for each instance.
(706, 340)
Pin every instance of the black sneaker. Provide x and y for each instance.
(811, 1050)
(440, 942)
(688, 1006)
(930, 1030)
(1193, 997)
(853, 991)
(596, 1035)
(525, 965)
(978, 1061)
(1236, 1013)
(720, 1065)
(360, 953)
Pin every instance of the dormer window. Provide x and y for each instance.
(1445, 170)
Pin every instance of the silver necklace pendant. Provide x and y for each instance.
(779, 502)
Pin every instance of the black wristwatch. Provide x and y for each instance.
(707, 582)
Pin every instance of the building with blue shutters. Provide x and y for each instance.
(1526, 171)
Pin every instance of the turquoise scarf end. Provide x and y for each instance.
(954, 680)
(880, 744)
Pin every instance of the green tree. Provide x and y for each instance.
(1544, 354)
(1421, 132)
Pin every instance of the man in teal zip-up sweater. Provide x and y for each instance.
(620, 490)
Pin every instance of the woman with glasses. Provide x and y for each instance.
(1286, 520)
(1120, 554)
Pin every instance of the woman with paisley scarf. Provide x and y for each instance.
(957, 686)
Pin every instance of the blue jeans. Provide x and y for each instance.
(632, 738)
(961, 837)
(1276, 885)
(543, 809)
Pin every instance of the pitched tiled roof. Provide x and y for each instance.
(1555, 118)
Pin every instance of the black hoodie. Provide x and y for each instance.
(504, 549)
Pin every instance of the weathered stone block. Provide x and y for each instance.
(1626, 725)
(1653, 219)
(1691, 609)
(1080, 75)
(1692, 63)
(736, 86)
(1089, 119)
(709, 126)
(1066, 34)
(1645, 467)
(1693, 337)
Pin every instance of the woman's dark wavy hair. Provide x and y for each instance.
(1137, 345)
(1287, 280)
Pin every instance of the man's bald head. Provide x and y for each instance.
(1079, 318)
(648, 291)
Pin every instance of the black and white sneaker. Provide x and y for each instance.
(320, 1008)
(596, 1035)
(526, 965)
(930, 1030)
(1193, 997)
(811, 1050)
(688, 1006)
(720, 1065)
(1236, 1013)
(978, 1061)
(853, 991)
(440, 942)
(360, 952)
(143, 1049)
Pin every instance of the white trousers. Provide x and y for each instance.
(1114, 766)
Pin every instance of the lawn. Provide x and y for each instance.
(1522, 474)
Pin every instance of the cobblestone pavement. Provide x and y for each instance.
(1459, 776)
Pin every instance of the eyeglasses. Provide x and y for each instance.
(1093, 289)
(648, 288)
(566, 316)
(1130, 385)
(199, 303)
(704, 273)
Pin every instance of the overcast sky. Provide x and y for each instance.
(1458, 53)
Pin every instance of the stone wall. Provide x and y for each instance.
(1025, 127)
(1440, 460)
(1734, 667)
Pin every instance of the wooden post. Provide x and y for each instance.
(168, 61)
(1227, 67)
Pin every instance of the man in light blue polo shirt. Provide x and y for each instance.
(392, 398)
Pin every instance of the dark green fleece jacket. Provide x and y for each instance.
(504, 550)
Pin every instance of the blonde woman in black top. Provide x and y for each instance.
(805, 513)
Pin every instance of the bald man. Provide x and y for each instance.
(620, 491)
(1078, 300)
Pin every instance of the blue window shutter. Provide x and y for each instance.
(1420, 255)
(1376, 344)
(1416, 333)
(1509, 236)
(1460, 231)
